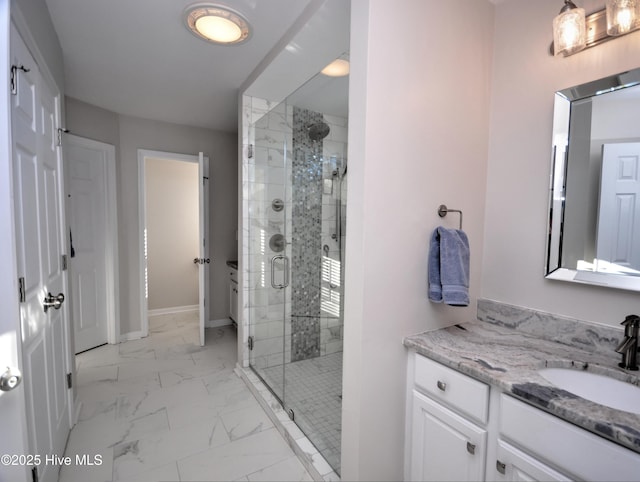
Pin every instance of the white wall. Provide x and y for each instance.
(134, 133)
(418, 137)
(525, 78)
(172, 233)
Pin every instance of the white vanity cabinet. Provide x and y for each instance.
(547, 441)
(445, 424)
(233, 293)
(459, 428)
(513, 464)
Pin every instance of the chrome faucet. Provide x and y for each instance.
(629, 345)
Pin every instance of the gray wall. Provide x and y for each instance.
(36, 16)
(130, 134)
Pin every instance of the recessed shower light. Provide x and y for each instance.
(337, 68)
(217, 24)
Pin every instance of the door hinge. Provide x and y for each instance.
(291, 413)
(14, 77)
(204, 180)
(34, 474)
(69, 380)
(250, 343)
(61, 130)
(65, 262)
(22, 291)
(250, 151)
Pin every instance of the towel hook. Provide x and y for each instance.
(443, 210)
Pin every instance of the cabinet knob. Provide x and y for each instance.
(500, 467)
(471, 448)
(441, 385)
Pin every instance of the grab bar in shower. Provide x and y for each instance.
(443, 210)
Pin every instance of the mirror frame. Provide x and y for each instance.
(557, 183)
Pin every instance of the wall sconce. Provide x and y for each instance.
(573, 31)
(569, 32)
(623, 16)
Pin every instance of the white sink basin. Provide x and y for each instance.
(597, 388)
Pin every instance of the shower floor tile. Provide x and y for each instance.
(313, 390)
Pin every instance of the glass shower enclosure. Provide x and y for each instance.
(297, 225)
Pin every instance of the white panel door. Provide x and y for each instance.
(203, 270)
(618, 241)
(12, 401)
(39, 223)
(91, 266)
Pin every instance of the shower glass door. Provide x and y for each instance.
(297, 205)
(269, 251)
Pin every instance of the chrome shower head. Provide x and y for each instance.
(318, 131)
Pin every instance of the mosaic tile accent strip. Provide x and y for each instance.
(306, 236)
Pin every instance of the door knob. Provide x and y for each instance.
(51, 301)
(10, 379)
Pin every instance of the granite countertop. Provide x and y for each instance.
(232, 264)
(509, 359)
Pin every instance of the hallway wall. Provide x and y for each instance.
(131, 134)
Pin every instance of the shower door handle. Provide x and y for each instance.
(286, 272)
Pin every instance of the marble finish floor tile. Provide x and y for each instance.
(288, 470)
(236, 459)
(165, 408)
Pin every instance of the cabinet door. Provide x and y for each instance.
(515, 465)
(444, 445)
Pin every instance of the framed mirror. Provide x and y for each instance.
(594, 197)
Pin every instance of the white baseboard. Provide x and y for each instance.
(218, 323)
(132, 335)
(173, 309)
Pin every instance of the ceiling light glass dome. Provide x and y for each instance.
(217, 24)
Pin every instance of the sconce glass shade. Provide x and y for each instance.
(623, 16)
(569, 31)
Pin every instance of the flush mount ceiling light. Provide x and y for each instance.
(217, 24)
(337, 68)
(620, 17)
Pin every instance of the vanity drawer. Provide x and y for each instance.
(459, 391)
(572, 449)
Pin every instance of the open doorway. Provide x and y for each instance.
(173, 214)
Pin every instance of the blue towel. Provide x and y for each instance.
(449, 267)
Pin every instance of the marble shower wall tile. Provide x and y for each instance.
(602, 339)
